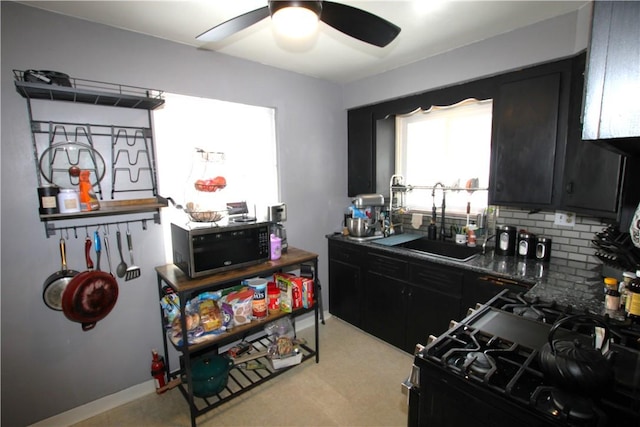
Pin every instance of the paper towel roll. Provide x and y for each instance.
(416, 220)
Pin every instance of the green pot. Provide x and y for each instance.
(210, 375)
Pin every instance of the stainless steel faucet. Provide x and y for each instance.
(443, 233)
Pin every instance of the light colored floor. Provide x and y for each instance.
(356, 383)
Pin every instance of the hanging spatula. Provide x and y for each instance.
(133, 271)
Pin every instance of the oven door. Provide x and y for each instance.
(412, 387)
(447, 400)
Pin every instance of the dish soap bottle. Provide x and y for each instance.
(88, 199)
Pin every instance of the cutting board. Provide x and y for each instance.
(397, 239)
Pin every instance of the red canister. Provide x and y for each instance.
(273, 294)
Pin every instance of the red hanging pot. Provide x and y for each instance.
(90, 295)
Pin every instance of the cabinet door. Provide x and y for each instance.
(385, 148)
(345, 294)
(592, 174)
(360, 152)
(428, 313)
(592, 179)
(525, 118)
(384, 312)
(434, 300)
(611, 109)
(384, 315)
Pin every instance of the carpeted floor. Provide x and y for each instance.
(356, 383)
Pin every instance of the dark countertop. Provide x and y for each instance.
(566, 282)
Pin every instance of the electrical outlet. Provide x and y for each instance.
(567, 219)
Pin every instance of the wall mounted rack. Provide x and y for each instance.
(126, 154)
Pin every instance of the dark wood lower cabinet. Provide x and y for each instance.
(384, 314)
(399, 301)
(345, 294)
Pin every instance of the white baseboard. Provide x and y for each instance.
(107, 403)
(99, 406)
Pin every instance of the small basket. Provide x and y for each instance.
(206, 216)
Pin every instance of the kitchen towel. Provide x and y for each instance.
(416, 220)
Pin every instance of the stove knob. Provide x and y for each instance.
(431, 338)
(470, 311)
(453, 324)
(419, 348)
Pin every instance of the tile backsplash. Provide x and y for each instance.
(572, 243)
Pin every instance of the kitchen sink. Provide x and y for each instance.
(441, 248)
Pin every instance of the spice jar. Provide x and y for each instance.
(612, 295)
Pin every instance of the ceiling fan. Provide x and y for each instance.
(349, 20)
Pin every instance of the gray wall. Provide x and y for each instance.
(551, 39)
(48, 364)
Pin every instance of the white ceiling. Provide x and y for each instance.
(429, 27)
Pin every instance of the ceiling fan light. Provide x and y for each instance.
(295, 22)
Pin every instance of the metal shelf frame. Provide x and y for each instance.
(131, 157)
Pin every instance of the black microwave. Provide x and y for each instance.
(206, 250)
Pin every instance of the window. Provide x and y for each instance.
(448, 145)
(244, 133)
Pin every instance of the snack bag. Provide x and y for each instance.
(307, 292)
(210, 316)
(285, 284)
(241, 303)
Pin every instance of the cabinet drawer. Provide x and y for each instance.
(387, 266)
(442, 279)
(344, 253)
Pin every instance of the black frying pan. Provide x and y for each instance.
(55, 284)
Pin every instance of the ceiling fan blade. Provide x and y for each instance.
(233, 25)
(359, 24)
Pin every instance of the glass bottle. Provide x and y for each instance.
(627, 277)
(634, 296)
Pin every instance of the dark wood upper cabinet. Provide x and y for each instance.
(525, 134)
(360, 152)
(611, 107)
(538, 157)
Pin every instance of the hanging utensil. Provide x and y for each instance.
(98, 248)
(106, 249)
(133, 271)
(121, 269)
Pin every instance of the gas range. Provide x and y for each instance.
(491, 362)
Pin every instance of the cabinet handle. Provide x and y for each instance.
(569, 188)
